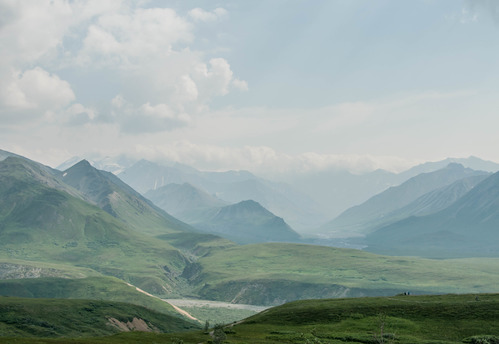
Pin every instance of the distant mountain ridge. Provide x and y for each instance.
(184, 201)
(363, 218)
(230, 186)
(247, 222)
(306, 201)
(468, 227)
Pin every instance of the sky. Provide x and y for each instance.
(273, 87)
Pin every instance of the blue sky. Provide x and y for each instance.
(270, 86)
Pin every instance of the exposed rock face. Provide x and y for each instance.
(134, 325)
(11, 271)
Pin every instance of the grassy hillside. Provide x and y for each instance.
(91, 288)
(109, 193)
(40, 223)
(276, 273)
(79, 318)
(401, 319)
(17, 269)
(438, 319)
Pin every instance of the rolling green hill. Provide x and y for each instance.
(21, 317)
(400, 319)
(437, 319)
(270, 274)
(91, 288)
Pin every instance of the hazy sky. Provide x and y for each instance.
(259, 85)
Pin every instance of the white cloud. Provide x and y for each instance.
(472, 8)
(146, 50)
(32, 28)
(146, 118)
(240, 84)
(125, 40)
(214, 81)
(265, 160)
(77, 114)
(198, 14)
(36, 89)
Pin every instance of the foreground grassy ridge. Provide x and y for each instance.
(406, 319)
(76, 318)
(92, 288)
(314, 269)
(403, 319)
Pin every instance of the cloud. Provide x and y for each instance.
(146, 118)
(472, 8)
(124, 40)
(240, 84)
(149, 50)
(200, 15)
(215, 79)
(35, 89)
(265, 160)
(77, 114)
(144, 54)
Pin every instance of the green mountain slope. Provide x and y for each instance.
(358, 220)
(469, 227)
(42, 224)
(118, 199)
(80, 318)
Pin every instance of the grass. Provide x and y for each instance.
(401, 319)
(52, 227)
(273, 273)
(93, 288)
(218, 315)
(21, 317)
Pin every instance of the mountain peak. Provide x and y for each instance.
(82, 164)
(455, 166)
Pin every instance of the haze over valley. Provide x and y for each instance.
(249, 171)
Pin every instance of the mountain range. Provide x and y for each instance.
(84, 222)
(467, 227)
(44, 219)
(243, 222)
(231, 186)
(306, 201)
(381, 208)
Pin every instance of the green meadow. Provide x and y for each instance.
(466, 318)
(272, 273)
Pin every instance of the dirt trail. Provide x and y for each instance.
(179, 310)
